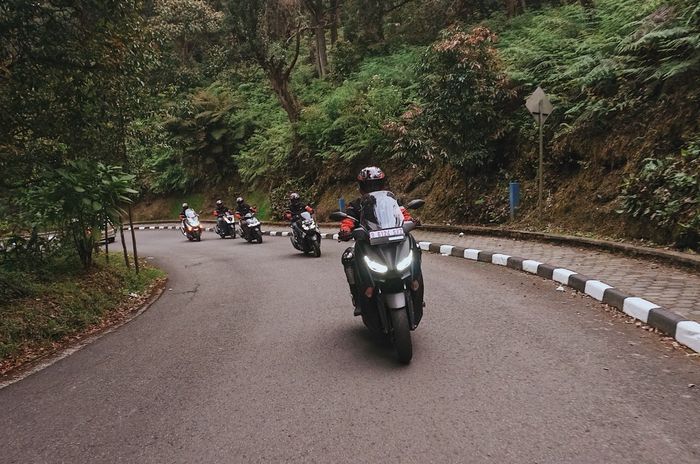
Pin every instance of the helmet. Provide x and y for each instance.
(371, 179)
(294, 197)
(219, 202)
(239, 200)
(185, 205)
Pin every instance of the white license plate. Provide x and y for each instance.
(389, 234)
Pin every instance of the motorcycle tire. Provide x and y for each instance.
(317, 249)
(260, 237)
(401, 335)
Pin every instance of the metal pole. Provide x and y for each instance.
(539, 173)
(121, 236)
(106, 243)
(133, 242)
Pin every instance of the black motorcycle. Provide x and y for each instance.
(250, 228)
(305, 235)
(385, 265)
(225, 225)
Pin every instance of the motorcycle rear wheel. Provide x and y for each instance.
(401, 335)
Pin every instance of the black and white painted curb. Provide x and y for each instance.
(684, 331)
(208, 229)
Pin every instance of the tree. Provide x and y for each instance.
(318, 11)
(66, 69)
(269, 31)
(364, 19)
(78, 199)
(206, 139)
(464, 89)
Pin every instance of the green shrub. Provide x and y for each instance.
(666, 192)
(279, 197)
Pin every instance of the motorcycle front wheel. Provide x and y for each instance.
(317, 249)
(401, 335)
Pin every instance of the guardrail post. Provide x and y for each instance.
(514, 197)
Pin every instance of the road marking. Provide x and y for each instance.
(688, 333)
(562, 275)
(471, 253)
(596, 289)
(499, 259)
(446, 249)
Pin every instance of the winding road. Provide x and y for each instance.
(252, 355)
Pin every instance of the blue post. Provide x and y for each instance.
(514, 196)
(341, 204)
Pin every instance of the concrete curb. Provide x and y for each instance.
(684, 331)
(676, 258)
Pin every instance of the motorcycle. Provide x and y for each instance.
(250, 228)
(191, 228)
(385, 266)
(305, 235)
(225, 224)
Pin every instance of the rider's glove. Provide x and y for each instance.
(345, 235)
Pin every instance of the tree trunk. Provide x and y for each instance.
(321, 52)
(280, 85)
(334, 18)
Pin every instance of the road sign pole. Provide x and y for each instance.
(541, 164)
(540, 108)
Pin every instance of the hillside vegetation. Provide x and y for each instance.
(220, 98)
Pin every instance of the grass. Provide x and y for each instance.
(262, 201)
(43, 308)
(195, 200)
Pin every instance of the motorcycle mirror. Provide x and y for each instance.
(338, 216)
(415, 204)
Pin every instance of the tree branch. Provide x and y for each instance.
(296, 54)
(396, 6)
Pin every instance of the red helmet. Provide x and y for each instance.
(371, 179)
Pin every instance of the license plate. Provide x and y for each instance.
(386, 235)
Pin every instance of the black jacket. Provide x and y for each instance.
(243, 209)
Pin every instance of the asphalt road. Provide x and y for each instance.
(252, 355)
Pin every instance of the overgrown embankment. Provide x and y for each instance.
(443, 113)
(58, 303)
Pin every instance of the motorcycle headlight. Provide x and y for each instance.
(404, 263)
(308, 225)
(375, 266)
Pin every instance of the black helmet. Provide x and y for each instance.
(294, 197)
(219, 202)
(185, 205)
(371, 179)
(239, 200)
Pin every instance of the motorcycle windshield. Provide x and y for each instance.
(192, 218)
(305, 216)
(380, 210)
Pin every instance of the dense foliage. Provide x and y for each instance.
(266, 95)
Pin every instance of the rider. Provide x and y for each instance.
(371, 179)
(220, 212)
(242, 207)
(185, 207)
(220, 208)
(296, 207)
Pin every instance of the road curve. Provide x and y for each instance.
(252, 355)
